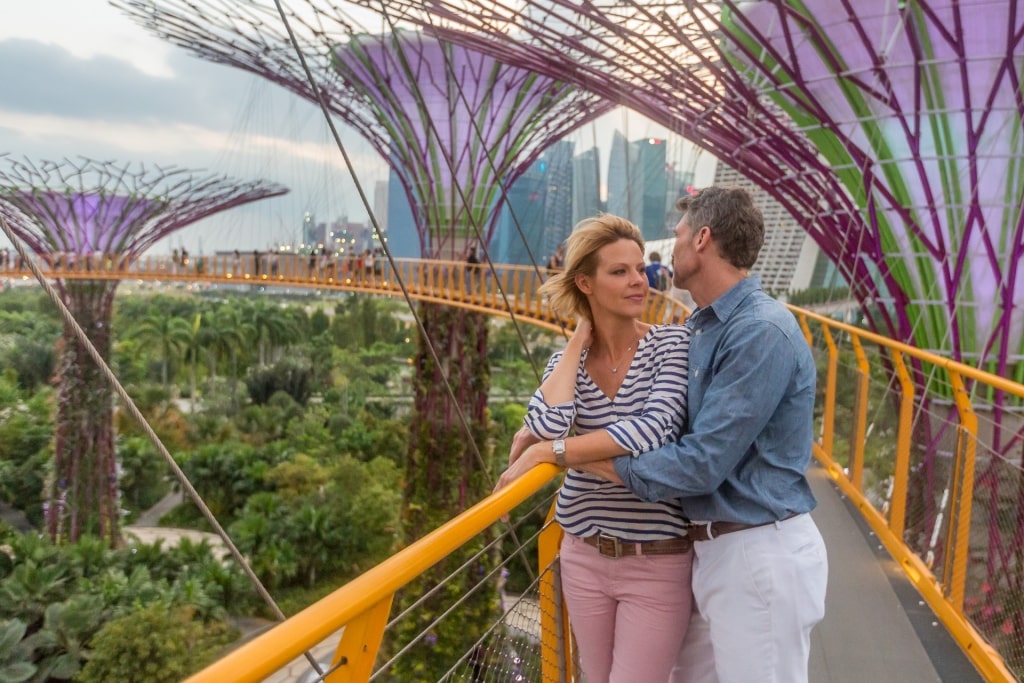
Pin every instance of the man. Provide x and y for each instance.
(659, 276)
(760, 568)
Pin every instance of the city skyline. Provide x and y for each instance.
(91, 83)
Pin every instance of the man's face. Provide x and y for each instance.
(682, 254)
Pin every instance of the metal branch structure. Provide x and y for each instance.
(665, 60)
(892, 130)
(88, 214)
(458, 127)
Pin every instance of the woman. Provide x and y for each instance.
(625, 563)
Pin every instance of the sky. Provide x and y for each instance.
(81, 79)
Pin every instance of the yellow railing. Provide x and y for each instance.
(506, 290)
(868, 378)
(362, 606)
(945, 595)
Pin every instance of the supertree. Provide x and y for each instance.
(665, 60)
(458, 127)
(891, 130)
(86, 212)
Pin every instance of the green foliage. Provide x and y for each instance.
(15, 665)
(361, 322)
(59, 646)
(369, 436)
(154, 645)
(144, 473)
(227, 474)
(819, 295)
(318, 322)
(285, 376)
(323, 519)
(34, 359)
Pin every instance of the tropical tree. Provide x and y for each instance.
(274, 328)
(193, 349)
(170, 335)
(225, 334)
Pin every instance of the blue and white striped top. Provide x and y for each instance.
(648, 411)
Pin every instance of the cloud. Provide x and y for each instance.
(202, 116)
(51, 81)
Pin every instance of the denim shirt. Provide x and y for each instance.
(746, 450)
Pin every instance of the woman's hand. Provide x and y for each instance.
(583, 335)
(522, 440)
(536, 454)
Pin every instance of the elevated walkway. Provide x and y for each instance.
(876, 626)
(924, 570)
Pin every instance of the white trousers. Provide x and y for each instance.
(757, 595)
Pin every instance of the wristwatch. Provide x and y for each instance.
(558, 448)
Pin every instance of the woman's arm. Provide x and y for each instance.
(660, 421)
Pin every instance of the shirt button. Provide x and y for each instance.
(698, 331)
(696, 372)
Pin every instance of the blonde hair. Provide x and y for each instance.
(586, 239)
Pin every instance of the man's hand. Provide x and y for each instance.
(602, 468)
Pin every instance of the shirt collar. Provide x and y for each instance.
(724, 305)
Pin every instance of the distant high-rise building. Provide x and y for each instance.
(618, 177)
(586, 184)
(788, 257)
(558, 198)
(522, 219)
(403, 234)
(653, 187)
(638, 183)
(380, 204)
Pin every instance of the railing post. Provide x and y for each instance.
(860, 417)
(360, 641)
(959, 533)
(829, 415)
(901, 468)
(555, 639)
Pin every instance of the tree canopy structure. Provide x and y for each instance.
(458, 127)
(89, 213)
(891, 132)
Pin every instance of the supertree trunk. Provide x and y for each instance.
(86, 210)
(445, 475)
(83, 493)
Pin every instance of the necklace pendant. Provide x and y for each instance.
(614, 370)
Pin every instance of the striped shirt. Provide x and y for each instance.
(648, 411)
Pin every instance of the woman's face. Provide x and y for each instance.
(619, 283)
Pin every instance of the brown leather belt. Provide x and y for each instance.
(711, 530)
(609, 546)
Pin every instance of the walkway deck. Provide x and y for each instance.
(876, 628)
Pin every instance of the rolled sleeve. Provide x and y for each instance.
(549, 421)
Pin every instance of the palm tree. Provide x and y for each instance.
(193, 347)
(169, 334)
(225, 333)
(274, 327)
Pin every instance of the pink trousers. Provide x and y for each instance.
(629, 614)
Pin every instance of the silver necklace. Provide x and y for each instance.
(623, 357)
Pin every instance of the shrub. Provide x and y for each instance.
(155, 645)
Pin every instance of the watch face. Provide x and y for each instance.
(558, 446)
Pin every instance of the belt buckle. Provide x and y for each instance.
(616, 545)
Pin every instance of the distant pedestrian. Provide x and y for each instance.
(557, 260)
(659, 276)
(472, 270)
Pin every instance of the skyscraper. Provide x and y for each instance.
(586, 184)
